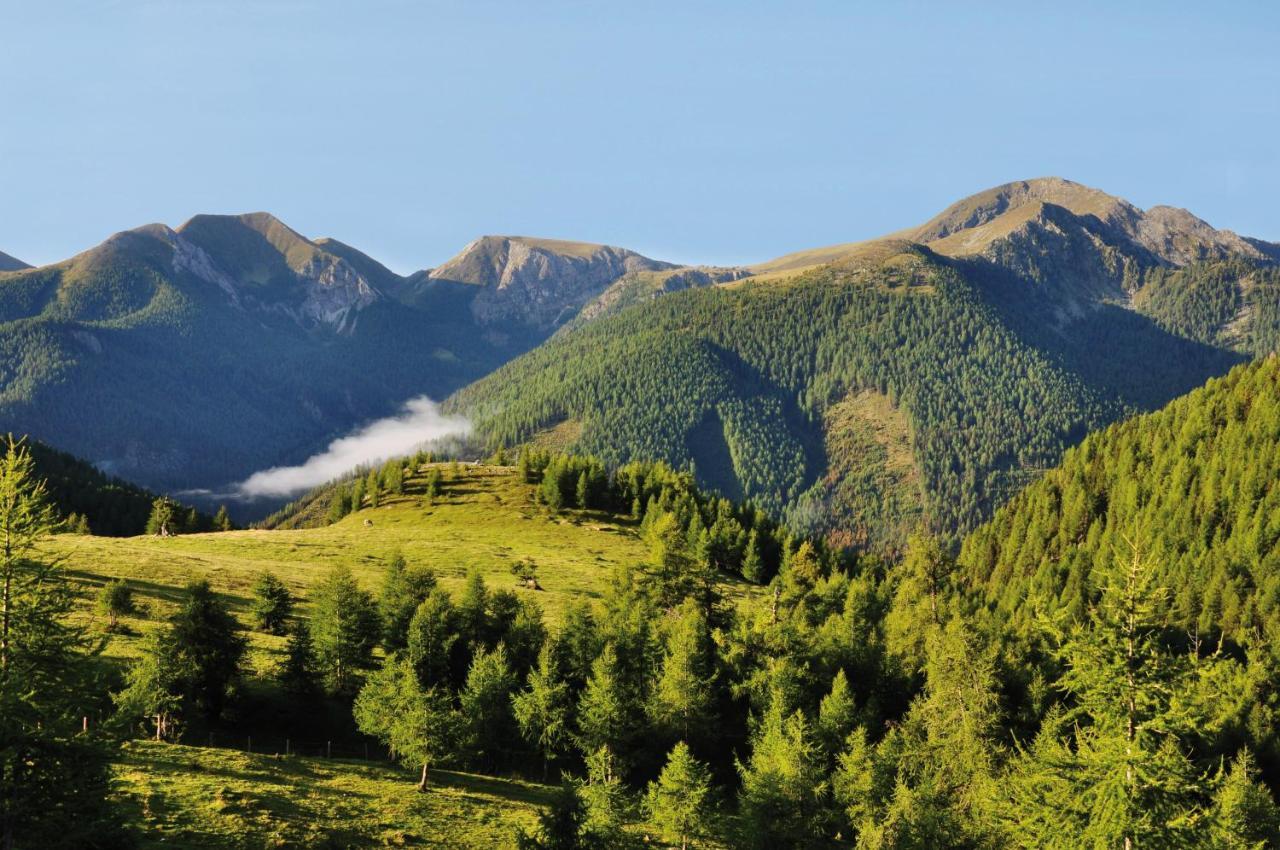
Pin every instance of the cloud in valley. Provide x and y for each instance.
(420, 422)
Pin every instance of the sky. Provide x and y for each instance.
(716, 132)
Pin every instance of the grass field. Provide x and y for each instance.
(485, 519)
(207, 799)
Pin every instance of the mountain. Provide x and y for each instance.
(191, 357)
(1190, 485)
(921, 378)
(11, 264)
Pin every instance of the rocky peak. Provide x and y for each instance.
(538, 281)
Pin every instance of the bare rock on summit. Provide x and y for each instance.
(538, 282)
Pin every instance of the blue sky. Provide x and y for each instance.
(700, 132)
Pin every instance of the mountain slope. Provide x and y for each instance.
(1191, 485)
(193, 357)
(998, 334)
(11, 264)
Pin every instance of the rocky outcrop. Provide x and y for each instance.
(540, 282)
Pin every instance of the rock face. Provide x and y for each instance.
(262, 264)
(539, 282)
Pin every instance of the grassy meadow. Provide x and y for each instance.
(485, 518)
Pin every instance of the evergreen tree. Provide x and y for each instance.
(357, 494)
(485, 708)
(153, 688)
(542, 710)
(372, 488)
(1113, 770)
(604, 798)
(678, 801)
(339, 503)
(603, 719)
(433, 484)
(115, 600)
(209, 648)
(560, 827)
(1245, 816)
(782, 783)
(403, 590)
(417, 724)
(163, 520)
(345, 628)
(432, 635)
(298, 673)
(582, 492)
(681, 701)
(272, 604)
(53, 780)
(222, 520)
(837, 717)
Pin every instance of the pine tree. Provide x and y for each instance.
(837, 716)
(357, 494)
(682, 698)
(222, 520)
(418, 725)
(209, 648)
(604, 798)
(345, 627)
(782, 783)
(153, 687)
(372, 489)
(339, 503)
(582, 493)
(272, 604)
(1112, 771)
(115, 600)
(542, 710)
(432, 633)
(1245, 816)
(298, 673)
(53, 779)
(678, 801)
(752, 562)
(163, 519)
(603, 718)
(485, 708)
(403, 590)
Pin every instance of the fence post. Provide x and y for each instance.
(328, 749)
(249, 747)
(286, 746)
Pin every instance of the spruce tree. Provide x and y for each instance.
(1113, 770)
(485, 708)
(682, 698)
(53, 779)
(542, 710)
(782, 797)
(345, 628)
(222, 520)
(272, 604)
(417, 724)
(678, 801)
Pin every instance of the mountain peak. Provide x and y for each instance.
(984, 207)
(10, 263)
(535, 280)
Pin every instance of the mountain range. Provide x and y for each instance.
(861, 388)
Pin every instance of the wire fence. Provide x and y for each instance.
(271, 745)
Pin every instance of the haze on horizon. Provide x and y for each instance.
(725, 133)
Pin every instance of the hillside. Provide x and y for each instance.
(982, 380)
(1191, 485)
(155, 354)
(10, 264)
(111, 506)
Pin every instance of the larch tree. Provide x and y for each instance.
(53, 781)
(678, 801)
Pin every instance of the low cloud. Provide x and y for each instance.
(420, 422)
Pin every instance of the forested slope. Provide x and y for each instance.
(1193, 486)
(741, 382)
